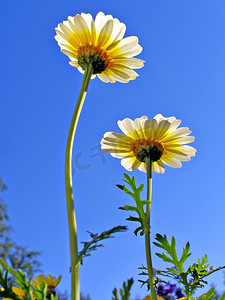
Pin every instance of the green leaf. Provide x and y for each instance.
(115, 294)
(222, 297)
(124, 291)
(208, 296)
(96, 238)
(135, 193)
(162, 242)
(195, 275)
(129, 208)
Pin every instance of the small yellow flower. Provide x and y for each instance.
(101, 44)
(51, 281)
(149, 297)
(158, 139)
(18, 291)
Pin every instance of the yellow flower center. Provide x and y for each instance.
(148, 148)
(98, 58)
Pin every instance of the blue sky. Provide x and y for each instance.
(184, 49)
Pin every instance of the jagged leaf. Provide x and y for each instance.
(135, 193)
(96, 238)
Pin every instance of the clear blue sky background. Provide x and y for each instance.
(184, 49)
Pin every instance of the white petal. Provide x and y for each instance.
(124, 72)
(162, 128)
(100, 21)
(138, 126)
(142, 168)
(159, 117)
(69, 53)
(114, 149)
(82, 30)
(122, 155)
(118, 30)
(67, 46)
(91, 25)
(179, 155)
(130, 164)
(125, 45)
(127, 127)
(171, 162)
(67, 35)
(62, 42)
(150, 127)
(132, 52)
(158, 167)
(120, 73)
(174, 124)
(133, 63)
(105, 33)
(179, 140)
(117, 137)
(74, 63)
(180, 132)
(119, 76)
(188, 150)
(110, 75)
(105, 78)
(70, 24)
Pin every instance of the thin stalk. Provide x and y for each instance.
(8, 268)
(148, 162)
(74, 258)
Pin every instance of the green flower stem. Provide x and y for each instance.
(8, 268)
(148, 162)
(75, 261)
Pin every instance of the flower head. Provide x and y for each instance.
(101, 44)
(51, 282)
(158, 139)
(18, 291)
(164, 290)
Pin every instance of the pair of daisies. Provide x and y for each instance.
(100, 43)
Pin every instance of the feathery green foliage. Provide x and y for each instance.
(135, 193)
(96, 238)
(192, 278)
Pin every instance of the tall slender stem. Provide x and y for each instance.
(74, 258)
(148, 162)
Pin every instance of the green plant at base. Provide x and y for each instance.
(124, 292)
(6, 285)
(30, 292)
(192, 278)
